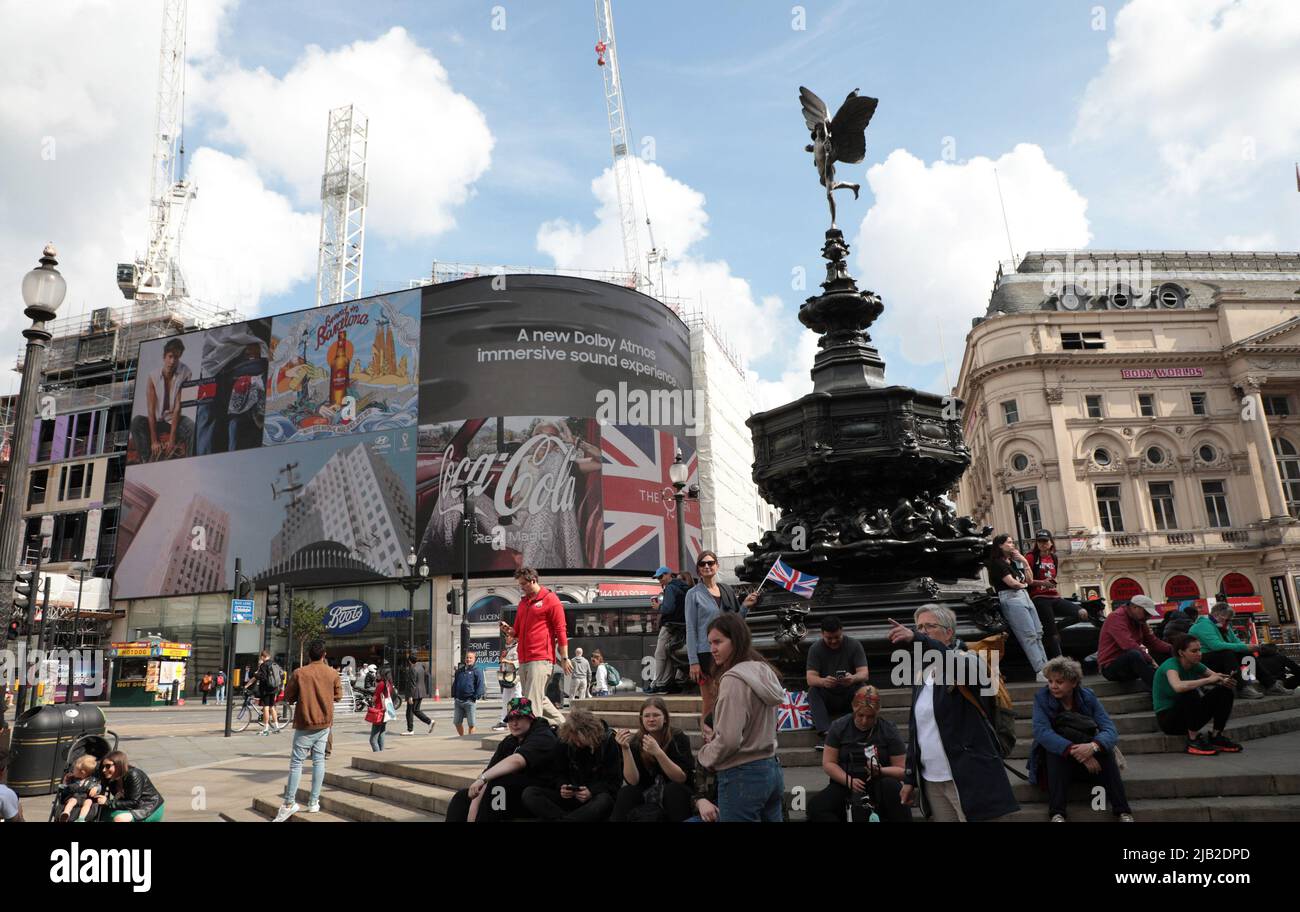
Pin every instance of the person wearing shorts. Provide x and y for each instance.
(467, 689)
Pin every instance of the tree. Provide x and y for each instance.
(308, 622)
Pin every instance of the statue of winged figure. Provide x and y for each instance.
(842, 138)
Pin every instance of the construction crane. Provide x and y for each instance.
(625, 173)
(343, 192)
(157, 277)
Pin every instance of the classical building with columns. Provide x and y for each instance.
(1144, 406)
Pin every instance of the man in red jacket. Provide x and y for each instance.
(539, 628)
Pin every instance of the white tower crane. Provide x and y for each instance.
(343, 191)
(620, 140)
(157, 277)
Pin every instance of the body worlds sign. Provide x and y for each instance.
(347, 616)
(1160, 373)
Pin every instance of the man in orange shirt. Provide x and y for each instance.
(540, 628)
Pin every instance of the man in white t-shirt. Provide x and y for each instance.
(161, 433)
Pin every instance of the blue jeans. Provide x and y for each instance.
(307, 742)
(463, 712)
(1022, 617)
(751, 792)
(377, 735)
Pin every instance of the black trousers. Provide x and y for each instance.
(1132, 665)
(1061, 771)
(413, 713)
(1281, 668)
(1048, 608)
(831, 803)
(828, 704)
(677, 803)
(494, 806)
(1193, 709)
(547, 804)
(1227, 661)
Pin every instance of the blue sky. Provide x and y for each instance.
(1116, 126)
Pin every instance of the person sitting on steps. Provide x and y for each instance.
(1183, 708)
(1126, 645)
(836, 668)
(1222, 650)
(1074, 738)
(865, 758)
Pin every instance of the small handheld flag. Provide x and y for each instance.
(801, 584)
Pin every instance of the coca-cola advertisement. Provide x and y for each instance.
(552, 494)
(533, 486)
(352, 368)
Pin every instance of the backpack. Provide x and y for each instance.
(612, 677)
(221, 680)
(1002, 721)
(272, 676)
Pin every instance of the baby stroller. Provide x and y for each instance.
(96, 746)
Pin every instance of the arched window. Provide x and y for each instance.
(1288, 466)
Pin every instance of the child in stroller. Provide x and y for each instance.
(81, 784)
(77, 793)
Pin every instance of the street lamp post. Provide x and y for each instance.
(43, 292)
(679, 474)
(468, 518)
(412, 583)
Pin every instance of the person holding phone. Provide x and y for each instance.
(587, 772)
(836, 668)
(1183, 708)
(865, 758)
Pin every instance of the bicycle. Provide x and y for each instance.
(251, 712)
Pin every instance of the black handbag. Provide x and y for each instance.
(1075, 727)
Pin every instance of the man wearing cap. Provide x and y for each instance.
(524, 758)
(1127, 646)
(671, 603)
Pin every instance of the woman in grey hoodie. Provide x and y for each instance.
(741, 745)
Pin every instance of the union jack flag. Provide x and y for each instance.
(639, 509)
(794, 713)
(801, 584)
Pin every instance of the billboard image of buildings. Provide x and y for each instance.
(348, 369)
(337, 509)
(200, 393)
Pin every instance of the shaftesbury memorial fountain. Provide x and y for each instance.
(859, 469)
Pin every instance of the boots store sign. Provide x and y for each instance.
(345, 617)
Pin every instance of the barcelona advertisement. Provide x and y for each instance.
(321, 446)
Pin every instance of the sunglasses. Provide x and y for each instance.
(707, 564)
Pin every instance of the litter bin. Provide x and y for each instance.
(40, 742)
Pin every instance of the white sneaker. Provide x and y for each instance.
(313, 808)
(286, 811)
(404, 734)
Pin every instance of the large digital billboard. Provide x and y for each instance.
(320, 446)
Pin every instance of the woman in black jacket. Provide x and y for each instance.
(129, 796)
(657, 767)
(586, 774)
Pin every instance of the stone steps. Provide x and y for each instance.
(1153, 785)
(1250, 809)
(268, 806)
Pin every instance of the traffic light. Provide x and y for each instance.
(453, 601)
(14, 630)
(274, 598)
(24, 589)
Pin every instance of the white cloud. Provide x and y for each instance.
(680, 222)
(427, 144)
(1211, 83)
(77, 95)
(1263, 240)
(243, 241)
(931, 242)
(793, 383)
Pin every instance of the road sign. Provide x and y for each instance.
(241, 611)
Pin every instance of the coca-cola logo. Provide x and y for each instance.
(347, 616)
(538, 478)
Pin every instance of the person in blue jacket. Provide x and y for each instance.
(706, 600)
(1059, 751)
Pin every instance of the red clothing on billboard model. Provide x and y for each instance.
(539, 625)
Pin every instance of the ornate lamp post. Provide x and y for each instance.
(411, 583)
(678, 474)
(43, 292)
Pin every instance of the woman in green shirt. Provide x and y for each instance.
(1182, 708)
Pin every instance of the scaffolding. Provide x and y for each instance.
(343, 193)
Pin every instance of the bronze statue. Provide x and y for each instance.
(841, 138)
